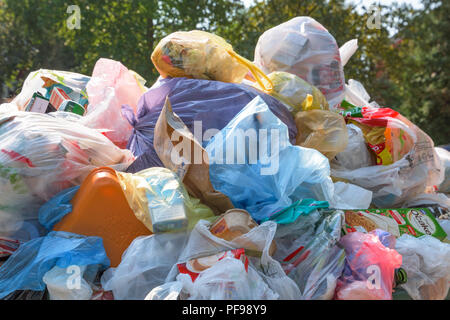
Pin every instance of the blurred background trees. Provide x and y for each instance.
(403, 65)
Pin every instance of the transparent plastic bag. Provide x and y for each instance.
(302, 46)
(426, 261)
(370, 267)
(111, 86)
(322, 130)
(43, 81)
(414, 162)
(444, 155)
(355, 155)
(41, 155)
(266, 173)
(293, 92)
(57, 280)
(310, 254)
(26, 267)
(158, 192)
(202, 55)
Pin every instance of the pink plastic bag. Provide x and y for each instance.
(111, 86)
(370, 267)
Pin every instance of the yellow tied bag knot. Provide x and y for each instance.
(202, 55)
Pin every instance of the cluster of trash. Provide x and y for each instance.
(226, 179)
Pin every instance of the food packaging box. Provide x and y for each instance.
(413, 221)
(39, 104)
(58, 97)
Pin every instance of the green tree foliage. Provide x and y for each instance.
(403, 64)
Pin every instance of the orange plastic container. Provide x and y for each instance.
(101, 209)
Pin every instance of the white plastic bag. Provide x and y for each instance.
(41, 155)
(63, 284)
(350, 196)
(356, 155)
(426, 261)
(302, 46)
(347, 50)
(356, 94)
(444, 155)
(167, 291)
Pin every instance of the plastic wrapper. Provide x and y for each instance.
(356, 94)
(322, 130)
(158, 193)
(267, 173)
(426, 261)
(111, 86)
(25, 269)
(41, 155)
(202, 55)
(302, 46)
(204, 106)
(57, 279)
(356, 155)
(444, 155)
(415, 162)
(43, 81)
(370, 266)
(310, 255)
(293, 92)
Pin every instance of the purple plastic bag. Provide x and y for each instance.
(214, 103)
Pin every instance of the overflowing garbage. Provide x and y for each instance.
(225, 179)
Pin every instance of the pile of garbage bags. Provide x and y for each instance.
(225, 179)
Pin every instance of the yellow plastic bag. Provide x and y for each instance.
(322, 130)
(158, 193)
(202, 55)
(293, 92)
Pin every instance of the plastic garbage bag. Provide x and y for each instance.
(426, 261)
(228, 279)
(57, 280)
(311, 256)
(202, 55)
(267, 173)
(145, 265)
(370, 267)
(26, 267)
(41, 155)
(415, 164)
(356, 94)
(322, 130)
(8, 107)
(204, 106)
(293, 92)
(355, 155)
(43, 81)
(57, 207)
(167, 291)
(22, 230)
(347, 50)
(258, 242)
(444, 155)
(187, 158)
(111, 86)
(160, 201)
(302, 46)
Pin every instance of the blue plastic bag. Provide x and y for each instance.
(268, 173)
(26, 267)
(57, 207)
(214, 103)
(290, 214)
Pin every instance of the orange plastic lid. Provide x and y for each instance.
(101, 209)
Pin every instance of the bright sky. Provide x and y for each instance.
(415, 3)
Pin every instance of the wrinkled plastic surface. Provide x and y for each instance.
(291, 213)
(370, 267)
(111, 86)
(167, 291)
(25, 269)
(355, 155)
(303, 47)
(160, 188)
(409, 175)
(322, 130)
(57, 207)
(347, 50)
(42, 81)
(292, 91)
(266, 181)
(212, 104)
(356, 94)
(310, 255)
(202, 55)
(145, 265)
(426, 260)
(41, 155)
